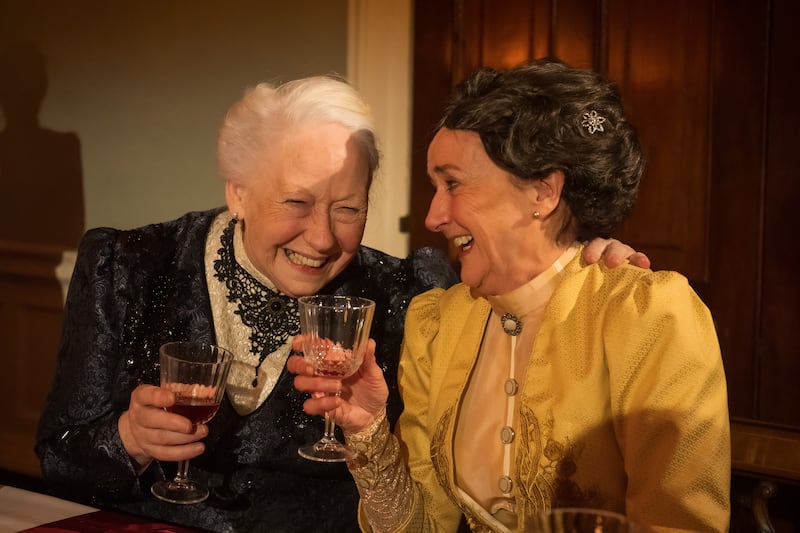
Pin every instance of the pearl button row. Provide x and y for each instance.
(512, 326)
(507, 434)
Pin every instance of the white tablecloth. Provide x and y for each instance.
(22, 509)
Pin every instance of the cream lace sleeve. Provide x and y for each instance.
(382, 477)
(396, 477)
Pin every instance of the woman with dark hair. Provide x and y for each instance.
(540, 381)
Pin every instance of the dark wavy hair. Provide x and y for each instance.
(531, 121)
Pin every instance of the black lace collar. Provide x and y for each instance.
(272, 316)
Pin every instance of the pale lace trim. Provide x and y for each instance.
(233, 334)
(367, 433)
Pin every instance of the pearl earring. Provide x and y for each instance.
(536, 214)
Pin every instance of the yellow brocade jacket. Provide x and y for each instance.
(623, 405)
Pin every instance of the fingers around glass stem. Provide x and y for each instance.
(328, 449)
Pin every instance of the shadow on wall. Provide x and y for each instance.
(41, 177)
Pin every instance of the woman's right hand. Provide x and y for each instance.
(361, 399)
(150, 432)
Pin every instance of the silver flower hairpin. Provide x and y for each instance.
(593, 122)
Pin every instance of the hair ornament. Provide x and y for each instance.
(593, 122)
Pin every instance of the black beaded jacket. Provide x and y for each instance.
(130, 292)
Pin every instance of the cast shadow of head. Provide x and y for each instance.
(41, 177)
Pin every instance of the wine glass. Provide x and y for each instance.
(335, 331)
(581, 520)
(196, 373)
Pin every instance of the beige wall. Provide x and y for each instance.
(144, 85)
(379, 65)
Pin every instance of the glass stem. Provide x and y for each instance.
(183, 469)
(330, 423)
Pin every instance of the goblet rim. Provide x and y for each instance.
(326, 301)
(226, 355)
(566, 515)
(585, 510)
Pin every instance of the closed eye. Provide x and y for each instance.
(297, 208)
(348, 214)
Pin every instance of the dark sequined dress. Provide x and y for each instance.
(133, 290)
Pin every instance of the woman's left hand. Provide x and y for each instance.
(613, 253)
(360, 399)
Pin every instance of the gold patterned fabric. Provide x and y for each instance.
(623, 405)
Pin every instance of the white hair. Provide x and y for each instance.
(266, 111)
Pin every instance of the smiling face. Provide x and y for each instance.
(304, 214)
(488, 214)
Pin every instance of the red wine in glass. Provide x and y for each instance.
(198, 410)
(196, 373)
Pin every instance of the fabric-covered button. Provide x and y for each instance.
(511, 386)
(507, 435)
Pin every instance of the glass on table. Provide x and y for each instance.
(196, 373)
(581, 520)
(335, 332)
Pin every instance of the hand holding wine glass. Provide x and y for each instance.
(357, 400)
(196, 373)
(335, 331)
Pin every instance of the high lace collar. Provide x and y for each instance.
(533, 295)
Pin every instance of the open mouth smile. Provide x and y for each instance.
(302, 260)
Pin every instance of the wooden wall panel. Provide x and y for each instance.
(779, 397)
(30, 326)
(737, 174)
(659, 54)
(504, 35)
(575, 32)
(435, 43)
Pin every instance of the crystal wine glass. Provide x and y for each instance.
(335, 332)
(196, 373)
(581, 520)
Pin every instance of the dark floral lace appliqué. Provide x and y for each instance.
(271, 316)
